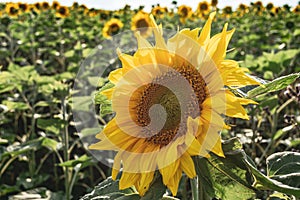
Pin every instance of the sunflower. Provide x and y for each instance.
(203, 9)
(169, 101)
(141, 22)
(55, 5)
(23, 7)
(184, 12)
(296, 9)
(258, 7)
(214, 3)
(158, 11)
(242, 9)
(112, 27)
(45, 5)
(269, 6)
(62, 12)
(12, 9)
(227, 11)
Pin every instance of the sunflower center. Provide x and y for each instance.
(114, 28)
(203, 6)
(161, 124)
(184, 12)
(142, 23)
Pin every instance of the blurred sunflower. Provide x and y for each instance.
(242, 9)
(62, 12)
(24, 7)
(269, 6)
(112, 27)
(296, 9)
(141, 22)
(188, 78)
(258, 7)
(45, 5)
(203, 9)
(214, 3)
(37, 6)
(184, 12)
(158, 11)
(104, 14)
(55, 5)
(227, 11)
(12, 9)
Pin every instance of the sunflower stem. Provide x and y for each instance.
(194, 186)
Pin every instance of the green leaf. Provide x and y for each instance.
(285, 167)
(15, 150)
(109, 189)
(52, 125)
(82, 103)
(12, 106)
(264, 182)
(230, 175)
(275, 85)
(73, 163)
(50, 143)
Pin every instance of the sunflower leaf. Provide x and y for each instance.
(275, 85)
(230, 176)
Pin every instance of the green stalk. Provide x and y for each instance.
(194, 186)
(66, 148)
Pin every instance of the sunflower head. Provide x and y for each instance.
(45, 5)
(227, 10)
(203, 9)
(23, 7)
(269, 6)
(55, 5)
(112, 27)
(12, 9)
(141, 22)
(169, 99)
(296, 9)
(214, 3)
(62, 12)
(158, 11)
(184, 12)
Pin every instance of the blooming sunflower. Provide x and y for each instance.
(62, 12)
(112, 27)
(158, 11)
(227, 11)
(23, 7)
(169, 101)
(141, 22)
(12, 9)
(184, 12)
(214, 3)
(203, 9)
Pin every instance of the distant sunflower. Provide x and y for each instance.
(184, 12)
(242, 9)
(169, 101)
(159, 12)
(12, 9)
(227, 11)
(62, 12)
(296, 9)
(258, 7)
(112, 27)
(37, 6)
(45, 5)
(24, 7)
(55, 5)
(269, 6)
(203, 9)
(141, 22)
(214, 3)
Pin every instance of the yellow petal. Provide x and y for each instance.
(205, 33)
(115, 76)
(174, 182)
(128, 179)
(187, 165)
(116, 166)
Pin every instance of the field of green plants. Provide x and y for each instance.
(44, 156)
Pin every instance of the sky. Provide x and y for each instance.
(117, 4)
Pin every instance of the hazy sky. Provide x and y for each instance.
(116, 4)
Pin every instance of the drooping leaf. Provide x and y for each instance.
(275, 85)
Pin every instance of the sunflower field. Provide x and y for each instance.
(60, 67)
